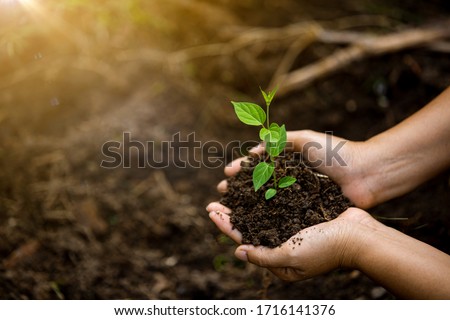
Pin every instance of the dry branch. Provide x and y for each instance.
(363, 46)
(248, 43)
(299, 36)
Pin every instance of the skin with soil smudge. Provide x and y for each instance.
(313, 199)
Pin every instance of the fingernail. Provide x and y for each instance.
(241, 254)
(258, 147)
(222, 186)
(213, 213)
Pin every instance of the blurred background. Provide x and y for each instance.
(75, 74)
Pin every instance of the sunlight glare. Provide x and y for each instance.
(15, 2)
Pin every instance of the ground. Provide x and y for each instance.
(70, 229)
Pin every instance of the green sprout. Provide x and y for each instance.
(273, 135)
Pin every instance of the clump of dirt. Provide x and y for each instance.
(313, 199)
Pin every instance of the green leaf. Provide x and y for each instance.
(268, 97)
(262, 173)
(249, 113)
(263, 133)
(275, 133)
(286, 182)
(265, 96)
(272, 134)
(272, 93)
(270, 193)
(275, 148)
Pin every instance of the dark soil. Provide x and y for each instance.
(313, 199)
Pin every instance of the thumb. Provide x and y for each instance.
(320, 150)
(263, 256)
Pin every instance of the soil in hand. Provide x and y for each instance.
(312, 199)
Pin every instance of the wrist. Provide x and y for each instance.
(360, 181)
(357, 238)
(370, 170)
(391, 169)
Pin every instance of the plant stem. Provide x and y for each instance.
(267, 115)
(275, 182)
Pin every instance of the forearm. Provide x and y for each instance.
(405, 266)
(412, 152)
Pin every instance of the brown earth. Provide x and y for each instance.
(311, 200)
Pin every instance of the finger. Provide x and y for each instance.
(222, 186)
(314, 145)
(216, 206)
(258, 149)
(299, 138)
(264, 256)
(306, 138)
(234, 166)
(289, 274)
(222, 221)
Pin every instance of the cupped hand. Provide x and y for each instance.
(312, 251)
(323, 247)
(345, 162)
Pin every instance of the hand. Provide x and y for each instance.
(403, 265)
(350, 167)
(322, 248)
(388, 165)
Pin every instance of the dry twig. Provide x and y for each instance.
(247, 44)
(299, 36)
(363, 46)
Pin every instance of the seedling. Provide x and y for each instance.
(274, 137)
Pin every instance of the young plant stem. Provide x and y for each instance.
(275, 182)
(271, 158)
(275, 138)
